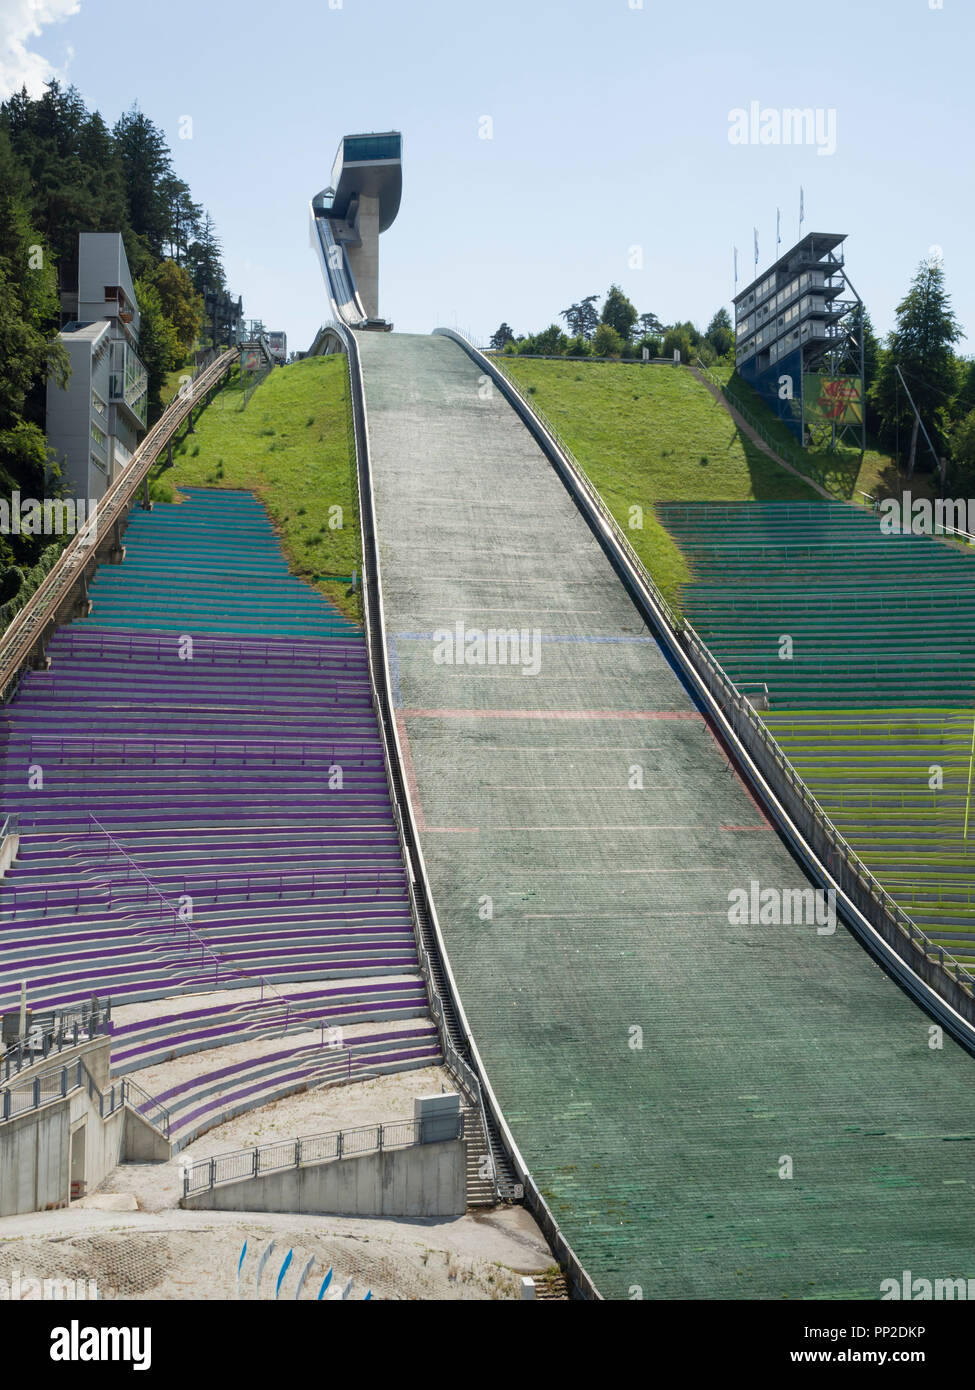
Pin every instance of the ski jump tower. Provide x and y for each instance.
(347, 217)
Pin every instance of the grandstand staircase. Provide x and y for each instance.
(480, 1189)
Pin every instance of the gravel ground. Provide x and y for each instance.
(177, 1255)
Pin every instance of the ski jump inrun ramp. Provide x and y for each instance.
(708, 1110)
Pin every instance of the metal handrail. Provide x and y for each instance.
(27, 625)
(310, 1150)
(180, 924)
(410, 850)
(878, 908)
(776, 445)
(838, 844)
(58, 1082)
(64, 1028)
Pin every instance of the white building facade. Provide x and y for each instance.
(94, 425)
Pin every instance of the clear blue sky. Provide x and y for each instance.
(610, 131)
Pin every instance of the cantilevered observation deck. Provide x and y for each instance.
(347, 217)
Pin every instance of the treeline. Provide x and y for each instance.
(64, 171)
(619, 330)
(918, 362)
(940, 383)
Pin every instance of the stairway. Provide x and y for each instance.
(480, 1190)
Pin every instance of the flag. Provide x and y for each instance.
(736, 265)
(755, 230)
(802, 209)
(778, 226)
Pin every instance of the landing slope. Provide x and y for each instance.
(583, 831)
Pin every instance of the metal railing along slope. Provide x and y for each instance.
(460, 1053)
(58, 1082)
(460, 1050)
(944, 987)
(56, 1031)
(204, 1174)
(30, 624)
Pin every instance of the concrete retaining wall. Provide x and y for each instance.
(426, 1180)
(34, 1161)
(36, 1147)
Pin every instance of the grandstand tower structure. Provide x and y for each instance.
(799, 344)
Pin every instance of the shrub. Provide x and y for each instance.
(606, 342)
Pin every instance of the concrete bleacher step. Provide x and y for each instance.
(238, 1077)
(213, 777)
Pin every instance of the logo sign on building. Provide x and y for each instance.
(836, 400)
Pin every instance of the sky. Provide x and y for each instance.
(551, 147)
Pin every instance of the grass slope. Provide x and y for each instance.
(290, 447)
(647, 434)
(844, 474)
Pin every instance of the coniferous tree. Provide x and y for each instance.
(921, 346)
(502, 337)
(619, 313)
(720, 333)
(146, 168)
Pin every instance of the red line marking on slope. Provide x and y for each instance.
(409, 771)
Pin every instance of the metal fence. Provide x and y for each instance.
(787, 453)
(55, 1032)
(931, 962)
(207, 1173)
(81, 750)
(421, 901)
(58, 1082)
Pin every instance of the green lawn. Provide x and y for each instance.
(290, 446)
(647, 434)
(171, 384)
(844, 474)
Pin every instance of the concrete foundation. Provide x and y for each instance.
(364, 259)
(65, 1148)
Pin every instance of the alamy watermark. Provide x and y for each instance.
(919, 516)
(922, 1290)
(774, 907)
(77, 1343)
(20, 1287)
(49, 516)
(792, 125)
(463, 646)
